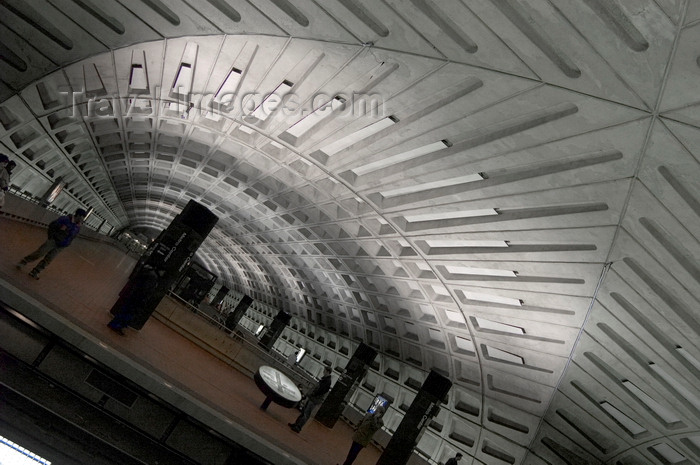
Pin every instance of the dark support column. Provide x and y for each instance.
(235, 316)
(273, 332)
(335, 401)
(194, 284)
(424, 407)
(219, 297)
(169, 254)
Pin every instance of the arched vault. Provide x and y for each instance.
(504, 192)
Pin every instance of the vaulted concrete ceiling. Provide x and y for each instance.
(520, 213)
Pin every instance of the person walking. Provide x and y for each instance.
(314, 398)
(369, 425)
(455, 459)
(61, 233)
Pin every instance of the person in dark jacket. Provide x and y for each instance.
(369, 425)
(454, 460)
(314, 398)
(5, 172)
(61, 233)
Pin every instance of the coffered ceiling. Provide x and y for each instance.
(503, 191)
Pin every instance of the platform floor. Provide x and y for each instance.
(82, 284)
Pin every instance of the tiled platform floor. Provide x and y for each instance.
(82, 284)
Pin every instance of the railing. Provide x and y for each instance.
(249, 341)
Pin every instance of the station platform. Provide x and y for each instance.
(71, 300)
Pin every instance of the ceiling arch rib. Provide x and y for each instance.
(459, 221)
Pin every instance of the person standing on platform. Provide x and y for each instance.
(135, 296)
(369, 425)
(61, 233)
(314, 398)
(4, 177)
(454, 460)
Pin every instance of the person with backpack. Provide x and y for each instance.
(61, 233)
(369, 425)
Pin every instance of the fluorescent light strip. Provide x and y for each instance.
(394, 159)
(423, 266)
(464, 344)
(183, 79)
(432, 185)
(212, 115)
(318, 115)
(505, 356)
(269, 105)
(442, 243)
(228, 89)
(664, 413)
(357, 136)
(669, 454)
(139, 104)
(138, 79)
(492, 298)
(500, 327)
(440, 290)
(686, 355)
(689, 396)
(629, 424)
(480, 271)
(450, 215)
(457, 317)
